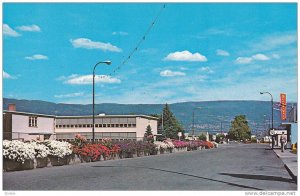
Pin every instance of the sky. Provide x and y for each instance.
(192, 52)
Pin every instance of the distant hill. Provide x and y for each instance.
(211, 116)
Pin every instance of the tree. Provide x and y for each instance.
(148, 136)
(202, 137)
(220, 138)
(239, 129)
(171, 125)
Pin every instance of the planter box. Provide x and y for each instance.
(41, 162)
(11, 165)
(74, 159)
(57, 161)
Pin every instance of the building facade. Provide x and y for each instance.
(116, 127)
(29, 126)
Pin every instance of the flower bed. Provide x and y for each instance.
(19, 155)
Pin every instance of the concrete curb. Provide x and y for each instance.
(291, 173)
(294, 177)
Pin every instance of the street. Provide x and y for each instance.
(240, 167)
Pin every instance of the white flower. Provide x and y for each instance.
(59, 149)
(164, 145)
(18, 151)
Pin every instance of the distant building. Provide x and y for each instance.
(31, 126)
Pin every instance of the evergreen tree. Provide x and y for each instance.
(171, 126)
(202, 137)
(240, 129)
(148, 136)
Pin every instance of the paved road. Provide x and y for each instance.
(230, 167)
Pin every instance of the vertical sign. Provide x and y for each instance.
(283, 106)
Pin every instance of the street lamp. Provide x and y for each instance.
(272, 114)
(103, 62)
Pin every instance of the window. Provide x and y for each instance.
(96, 125)
(117, 125)
(129, 125)
(104, 125)
(32, 121)
(112, 125)
(133, 125)
(125, 125)
(121, 125)
(100, 125)
(108, 125)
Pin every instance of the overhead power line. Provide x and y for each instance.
(143, 38)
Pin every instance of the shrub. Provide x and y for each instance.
(18, 151)
(41, 151)
(58, 149)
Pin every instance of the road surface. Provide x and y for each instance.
(240, 167)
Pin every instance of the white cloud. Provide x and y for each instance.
(7, 76)
(88, 79)
(7, 31)
(206, 69)
(185, 56)
(222, 52)
(37, 57)
(260, 57)
(120, 33)
(89, 44)
(31, 28)
(243, 60)
(247, 60)
(169, 73)
(70, 95)
(66, 77)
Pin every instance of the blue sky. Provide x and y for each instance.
(194, 52)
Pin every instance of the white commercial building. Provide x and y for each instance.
(28, 126)
(119, 127)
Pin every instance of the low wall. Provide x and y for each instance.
(10, 165)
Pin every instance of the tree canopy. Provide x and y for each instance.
(239, 129)
(171, 125)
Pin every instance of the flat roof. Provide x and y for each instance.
(28, 113)
(110, 116)
(87, 116)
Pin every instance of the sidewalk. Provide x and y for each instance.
(290, 161)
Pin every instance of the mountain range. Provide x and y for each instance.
(212, 116)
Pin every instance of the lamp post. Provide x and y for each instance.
(104, 62)
(272, 115)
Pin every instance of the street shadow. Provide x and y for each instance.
(184, 174)
(259, 177)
